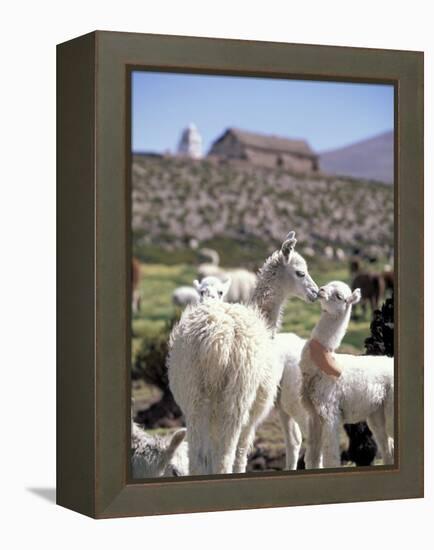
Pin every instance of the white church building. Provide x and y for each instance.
(190, 144)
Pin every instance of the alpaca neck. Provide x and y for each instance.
(270, 295)
(330, 329)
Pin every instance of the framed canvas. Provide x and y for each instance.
(119, 97)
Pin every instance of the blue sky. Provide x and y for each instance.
(326, 114)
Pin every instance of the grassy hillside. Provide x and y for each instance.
(176, 199)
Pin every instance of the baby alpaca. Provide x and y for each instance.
(363, 391)
(212, 287)
(157, 456)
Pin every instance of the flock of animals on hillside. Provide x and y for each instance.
(229, 366)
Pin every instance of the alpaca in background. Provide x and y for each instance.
(136, 297)
(184, 296)
(212, 288)
(243, 281)
(372, 288)
(209, 287)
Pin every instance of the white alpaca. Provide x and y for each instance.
(224, 369)
(328, 252)
(242, 287)
(156, 456)
(209, 256)
(212, 288)
(243, 281)
(340, 254)
(209, 270)
(289, 403)
(184, 296)
(363, 391)
(209, 267)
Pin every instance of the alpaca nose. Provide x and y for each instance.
(321, 292)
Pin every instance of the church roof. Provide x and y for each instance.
(271, 143)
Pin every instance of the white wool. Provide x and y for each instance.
(290, 406)
(157, 456)
(242, 285)
(223, 373)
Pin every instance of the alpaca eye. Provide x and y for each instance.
(220, 293)
(339, 296)
(300, 274)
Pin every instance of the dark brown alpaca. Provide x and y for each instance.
(388, 276)
(372, 287)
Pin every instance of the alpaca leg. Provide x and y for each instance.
(223, 448)
(331, 446)
(258, 412)
(245, 443)
(196, 454)
(198, 443)
(313, 448)
(377, 424)
(247, 438)
(293, 438)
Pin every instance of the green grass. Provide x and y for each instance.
(158, 282)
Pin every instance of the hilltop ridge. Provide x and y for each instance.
(176, 199)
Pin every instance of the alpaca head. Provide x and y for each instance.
(154, 456)
(295, 277)
(336, 298)
(212, 288)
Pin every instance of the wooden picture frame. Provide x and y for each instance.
(93, 378)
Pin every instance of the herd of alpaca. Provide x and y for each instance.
(243, 282)
(228, 366)
(208, 287)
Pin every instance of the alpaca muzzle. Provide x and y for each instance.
(312, 293)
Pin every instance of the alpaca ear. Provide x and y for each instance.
(355, 297)
(196, 284)
(227, 285)
(288, 245)
(175, 442)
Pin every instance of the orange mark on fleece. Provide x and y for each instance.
(324, 359)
